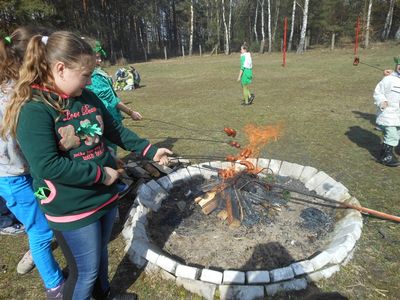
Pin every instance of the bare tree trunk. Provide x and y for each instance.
(388, 22)
(397, 35)
(368, 23)
(191, 28)
(277, 4)
(262, 27)
(269, 27)
(218, 25)
(301, 47)
(230, 22)
(255, 23)
(292, 26)
(226, 28)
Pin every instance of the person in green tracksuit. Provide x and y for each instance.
(246, 74)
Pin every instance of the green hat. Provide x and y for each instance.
(397, 59)
(99, 49)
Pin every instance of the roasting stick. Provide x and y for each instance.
(361, 209)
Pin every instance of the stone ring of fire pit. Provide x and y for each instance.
(252, 284)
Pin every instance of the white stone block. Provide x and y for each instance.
(353, 229)
(194, 171)
(155, 186)
(186, 272)
(316, 180)
(286, 286)
(263, 163)
(307, 174)
(337, 191)
(216, 164)
(338, 254)
(140, 215)
(227, 165)
(140, 247)
(322, 274)
(165, 183)
(291, 170)
(139, 232)
(212, 276)
(203, 289)
(234, 277)
(350, 219)
(179, 176)
(166, 263)
(302, 267)
(206, 172)
(281, 274)
(346, 241)
(321, 260)
(152, 253)
(274, 166)
(255, 277)
(325, 186)
(242, 292)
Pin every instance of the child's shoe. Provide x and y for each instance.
(26, 264)
(55, 293)
(15, 229)
(251, 98)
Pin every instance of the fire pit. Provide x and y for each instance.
(249, 232)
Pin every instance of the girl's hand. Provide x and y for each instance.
(135, 115)
(162, 156)
(111, 176)
(383, 105)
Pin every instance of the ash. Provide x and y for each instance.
(280, 227)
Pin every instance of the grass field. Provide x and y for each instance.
(325, 105)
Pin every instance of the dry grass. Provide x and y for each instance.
(325, 105)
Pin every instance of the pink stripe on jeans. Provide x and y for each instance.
(72, 218)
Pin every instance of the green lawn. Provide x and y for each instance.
(325, 104)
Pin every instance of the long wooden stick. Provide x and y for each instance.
(345, 205)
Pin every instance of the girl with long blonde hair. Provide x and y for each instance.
(73, 170)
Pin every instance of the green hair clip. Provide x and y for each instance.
(41, 193)
(397, 60)
(99, 49)
(8, 40)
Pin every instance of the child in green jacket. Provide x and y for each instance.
(73, 171)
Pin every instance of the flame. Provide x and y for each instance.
(259, 136)
(227, 173)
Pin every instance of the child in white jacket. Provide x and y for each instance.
(387, 100)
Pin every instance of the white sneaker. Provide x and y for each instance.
(26, 264)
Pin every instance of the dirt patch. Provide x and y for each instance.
(291, 229)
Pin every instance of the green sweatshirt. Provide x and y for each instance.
(67, 154)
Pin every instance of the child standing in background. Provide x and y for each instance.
(246, 74)
(70, 163)
(387, 100)
(102, 86)
(15, 181)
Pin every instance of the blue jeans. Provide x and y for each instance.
(20, 199)
(7, 219)
(85, 250)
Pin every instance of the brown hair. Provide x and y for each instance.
(12, 52)
(40, 56)
(244, 46)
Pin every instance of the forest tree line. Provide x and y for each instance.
(142, 29)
